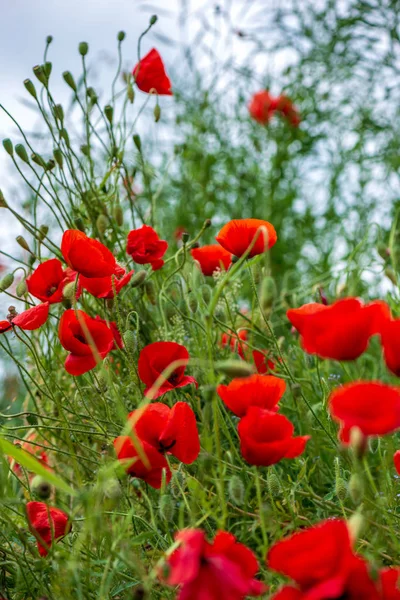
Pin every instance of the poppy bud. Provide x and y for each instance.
(357, 442)
(206, 293)
(50, 165)
(112, 489)
(43, 231)
(273, 484)
(69, 80)
(30, 87)
(41, 488)
(121, 36)
(150, 291)
(341, 489)
(83, 48)
(58, 157)
(49, 39)
(38, 160)
(234, 368)
(68, 290)
(130, 92)
(79, 224)
(355, 524)
(157, 113)
(39, 72)
(20, 150)
(178, 481)
(137, 141)
(192, 302)
(109, 112)
(138, 278)
(47, 68)
(85, 150)
(65, 136)
(236, 490)
(92, 95)
(268, 293)
(6, 282)
(8, 146)
(102, 223)
(3, 203)
(356, 488)
(383, 250)
(59, 112)
(21, 289)
(23, 243)
(153, 19)
(130, 341)
(118, 214)
(390, 274)
(167, 507)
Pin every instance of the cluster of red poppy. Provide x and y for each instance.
(266, 437)
(319, 561)
(263, 106)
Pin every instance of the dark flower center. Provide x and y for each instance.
(50, 291)
(163, 449)
(174, 378)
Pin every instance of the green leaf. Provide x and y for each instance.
(32, 464)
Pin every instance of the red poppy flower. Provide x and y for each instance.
(267, 437)
(396, 461)
(102, 287)
(237, 235)
(169, 430)
(340, 331)
(390, 335)
(264, 391)
(154, 359)
(285, 106)
(262, 362)
(150, 468)
(32, 448)
(236, 341)
(145, 247)
(85, 255)
(73, 338)
(321, 562)
(211, 258)
(262, 107)
(28, 320)
(371, 406)
(150, 74)
(389, 583)
(221, 570)
(48, 524)
(48, 281)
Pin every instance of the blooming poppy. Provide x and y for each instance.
(389, 583)
(150, 74)
(211, 258)
(236, 341)
(73, 338)
(154, 359)
(286, 107)
(147, 464)
(264, 391)
(47, 523)
(237, 235)
(145, 247)
(321, 562)
(48, 281)
(371, 406)
(390, 335)
(262, 362)
(396, 461)
(103, 287)
(28, 320)
(169, 430)
(220, 570)
(87, 256)
(340, 331)
(266, 437)
(262, 107)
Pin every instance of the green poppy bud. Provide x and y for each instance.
(118, 215)
(69, 80)
(130, 341)
(109, 112)
(21, 288)
(21, 152)
(356, 488)
(137, 141)
(121, 36)
(273, 484)
(167, 507)
(6, 282)
(58, 156)
(83, 48)
(23, 243)
(236, 490)
(153, 19)
(8, 146)
(157, 113)
(102, 223)
(40, 73)
(30, 87)
(138, 278)
(234, 368)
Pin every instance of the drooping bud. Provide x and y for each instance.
(8, 146)
(383, 250)
(30, 88)
(130, 341)
(21, 288)
(6, 282)
(102, 223)
(21, 152)
(167, 507)
(69, 80)
(43, 231)
(273, 484)
(137, 141)
(23, 243)
(236, 490)
(234, 368)
(49, 39)
(83, 48)
(138, 278)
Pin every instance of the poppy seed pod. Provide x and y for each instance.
(47, 69)
(102, 223)
(39, 160)
(59, 112)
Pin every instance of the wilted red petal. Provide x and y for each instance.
(33, 318)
